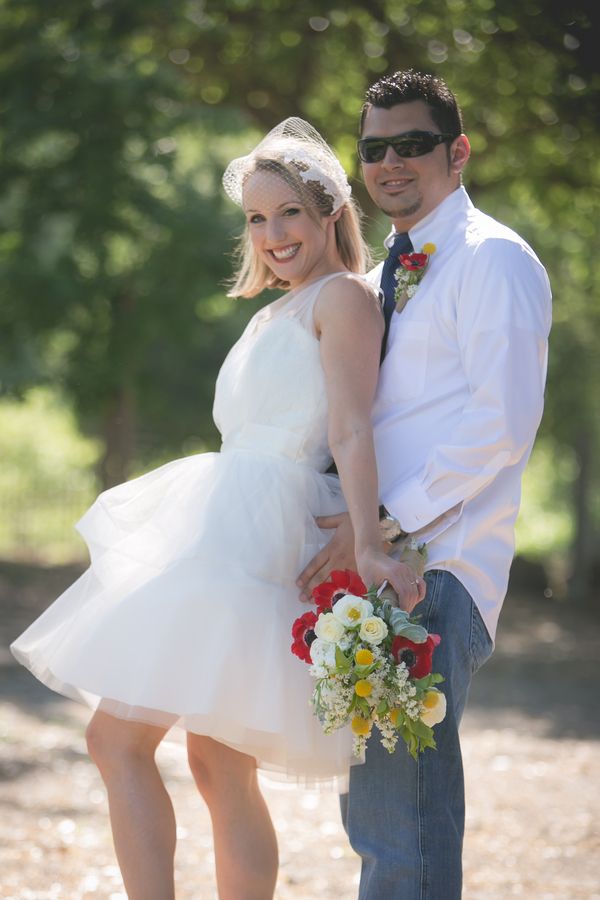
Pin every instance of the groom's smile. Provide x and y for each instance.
(395, 184)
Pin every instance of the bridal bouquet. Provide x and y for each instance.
(372, 663)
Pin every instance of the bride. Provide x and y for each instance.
(184, 616)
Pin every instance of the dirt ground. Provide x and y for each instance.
(530, 738)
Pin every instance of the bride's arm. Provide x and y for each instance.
(350, 324)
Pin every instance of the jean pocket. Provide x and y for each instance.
(481, 644)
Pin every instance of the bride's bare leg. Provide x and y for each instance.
(245, 844)
(141, 814)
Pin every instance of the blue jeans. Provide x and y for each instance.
(405, 818)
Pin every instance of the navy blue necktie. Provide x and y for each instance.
(402, 244)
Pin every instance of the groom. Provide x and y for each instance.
(459, 401)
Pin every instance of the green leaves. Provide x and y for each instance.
(409, 630)
(416, 735)
(400, 623)
(428, 681)
(343, 664)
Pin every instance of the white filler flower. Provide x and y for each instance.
(322, 653)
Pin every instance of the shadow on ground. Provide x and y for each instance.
(529, 743)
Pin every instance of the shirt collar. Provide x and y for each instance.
(438, 223)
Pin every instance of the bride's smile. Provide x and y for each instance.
(283, 254)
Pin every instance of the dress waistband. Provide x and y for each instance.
(265, 439)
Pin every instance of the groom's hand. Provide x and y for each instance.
(337, 554)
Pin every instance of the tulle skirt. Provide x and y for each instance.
(184, 615)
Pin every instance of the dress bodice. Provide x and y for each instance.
(270, 393)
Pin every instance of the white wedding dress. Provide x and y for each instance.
(184, 616)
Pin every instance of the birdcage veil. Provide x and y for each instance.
(293, 143)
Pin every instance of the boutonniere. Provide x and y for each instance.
(409, 273)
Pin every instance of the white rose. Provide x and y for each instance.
(350, 610)
(435, 708)
(373, 630)
(322, 653)
(329, 628)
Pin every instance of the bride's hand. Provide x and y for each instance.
(337, 554)
(374, 567)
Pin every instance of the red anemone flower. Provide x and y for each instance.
(413, 261)
(341, 582)
(303, 632)
(416, 657)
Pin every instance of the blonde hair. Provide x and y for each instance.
(252, 274)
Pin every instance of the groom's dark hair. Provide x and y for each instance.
(406, 86)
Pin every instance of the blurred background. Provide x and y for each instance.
(117, 119)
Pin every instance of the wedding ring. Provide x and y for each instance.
(414, 582)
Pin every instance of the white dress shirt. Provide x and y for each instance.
(460, 395)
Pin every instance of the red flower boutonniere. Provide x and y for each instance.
(409, 273)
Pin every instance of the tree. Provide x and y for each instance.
(114, 237)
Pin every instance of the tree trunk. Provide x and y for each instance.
(119, 422)
(582, 548)
(119, 438)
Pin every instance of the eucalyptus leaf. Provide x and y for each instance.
(384, 611)
(397, 619)
(412, 632)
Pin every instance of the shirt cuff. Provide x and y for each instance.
(410, 504)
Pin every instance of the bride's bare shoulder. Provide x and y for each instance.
(347, 295)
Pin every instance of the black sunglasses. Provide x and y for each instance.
(407, 145)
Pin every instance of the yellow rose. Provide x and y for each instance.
(363, 687)
(363, 657)
(429, 249)
(395, 713)
(360, 725)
